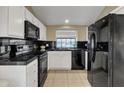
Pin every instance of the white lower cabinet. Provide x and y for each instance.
(20, 75)
(59, 60)
(32, 74)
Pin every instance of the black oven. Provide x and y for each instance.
(42, 69)
(31, 31)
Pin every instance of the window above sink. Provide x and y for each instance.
(66, 39)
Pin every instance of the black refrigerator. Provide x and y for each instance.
(106, 52)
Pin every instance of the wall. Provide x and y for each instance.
(81, 30)
(106, 11)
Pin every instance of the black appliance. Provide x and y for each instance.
(42, 69)
(31, 31)
(106, 52)
(21, 52)
(13, 50)
(78, 60)
(83, 58)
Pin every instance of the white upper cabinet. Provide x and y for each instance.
(35, 21)
(16, 21)
(42, 32)
(28, 15)
(31, 18)
(3, 21)
(40, 27)
(12, 21)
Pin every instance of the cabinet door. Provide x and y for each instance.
(31, 18)
(44, 32)
(14, 74)
(66, 60)
(32, 74)
(63, 60)
(59, 60)
(28, 15)
(3, 21)
(54, 61)
(51, 58)
(41, 30)
(16, 21)
(35, 21)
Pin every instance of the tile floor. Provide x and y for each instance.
(71, 78)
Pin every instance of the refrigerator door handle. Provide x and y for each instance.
(93, 45)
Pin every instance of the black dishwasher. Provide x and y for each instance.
(78, 60)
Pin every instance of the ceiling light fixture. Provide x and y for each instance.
(66, 21)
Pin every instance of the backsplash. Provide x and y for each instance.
(14, 42)
(47, 44)
(52, 44)
(82, 44)
(13, 47)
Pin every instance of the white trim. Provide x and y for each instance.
(86, 33)
(67, 31)
(86, 59)
(116, 10)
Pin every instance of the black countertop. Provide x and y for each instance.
(68, 49)
(29, 57)
(17, 61)
(21, 59)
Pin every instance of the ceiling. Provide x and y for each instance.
(77, 15)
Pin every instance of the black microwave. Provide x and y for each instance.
(31, 31)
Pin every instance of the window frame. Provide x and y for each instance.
(67, 30)
(66, 42)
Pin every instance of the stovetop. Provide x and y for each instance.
(22, 59)
(19, 60)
